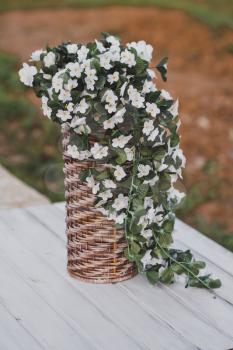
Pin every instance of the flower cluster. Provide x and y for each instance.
(106, 94)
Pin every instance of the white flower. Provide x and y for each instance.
(57, 82)
(105, 60)
(109, 123)
(109, 183)
(99, 151)
(73, 151)
(76, 121)
(35, 56)
(174, 108)
(112, 78)
(122, 89)
(71, 84)
(82, 53)
(129, 153)
(152, 109)
(118, 116)
(110, 97)
(64, 96)
(120, 218)
(111, 107)
(165, 94)
(143, 170)
(153, 135)
(82, 106)
(84, 155)
(47, 111)
(151, 73)
(128, 58)
(175, 194)
(63, 115)
(47, 76)
(144, 51)
(75, 69)
(136, 99)
(91, 183)
(83, 129)
(114, 41)
(27, 73)
(119, 173)
(90, 83)
(121, 141)
(148, 260)
(148, 127)
(152, 181)
(114, 53)
(49, 59)
(100, 46)
(105, 195)
(70, 107)
(148, 86)
(72, 48)
(147, 234)
(121, 202)
(148, 202)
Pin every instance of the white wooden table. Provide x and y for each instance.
(41, 307)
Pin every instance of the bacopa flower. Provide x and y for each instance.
(99, 151)
(27, 74)
(143, 170)
(49, 59)
(121, 141)
(121, 202)
(119, 173)
(104, 94)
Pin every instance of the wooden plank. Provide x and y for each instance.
(227, 280)
(214, 311)
(133, 319)
(35, 314)
(13, 335)
(205, 246)
(191, 237)
(84, 319)
(53, 220)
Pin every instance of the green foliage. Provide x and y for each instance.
(215, 13)
(30, 142)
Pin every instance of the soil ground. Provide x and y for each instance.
(200, 74)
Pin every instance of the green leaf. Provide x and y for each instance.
(135, 247)
(159, 154)
(141, 65)
(175, 139)
(167, 276)
(168, 226)
(162, 68)
(83, 174)
(121, 156)
(165, 240)
(99, 107)
(102, 175)
(152, 276)
(199, 265)
(95, 64)
(215, 283)
(164, 182)
(100, 82)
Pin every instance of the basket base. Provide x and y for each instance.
(102, 280)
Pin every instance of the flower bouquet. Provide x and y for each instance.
(122, 159)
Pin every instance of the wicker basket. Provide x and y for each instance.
(95, 247)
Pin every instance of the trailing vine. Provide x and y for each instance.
(106, 94)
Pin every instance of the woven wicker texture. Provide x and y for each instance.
(95, 247)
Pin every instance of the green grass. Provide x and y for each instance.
(215, 13)
(29, 143)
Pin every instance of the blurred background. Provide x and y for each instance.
(197, 35)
